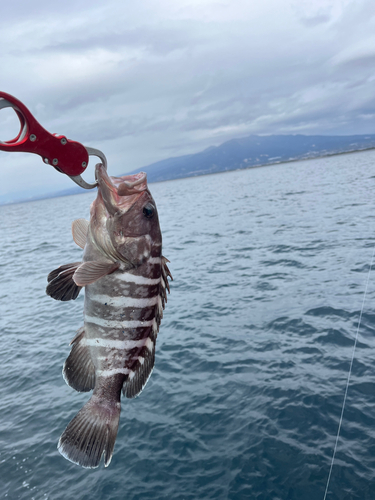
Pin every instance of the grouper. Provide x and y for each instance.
(126, 281)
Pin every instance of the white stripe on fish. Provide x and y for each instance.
(118, 324)
(125, 301)
(149, 344)
(117, 344)
(154, 260)
(114, 371)
(139, 280)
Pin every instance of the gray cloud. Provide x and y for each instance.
(155, 79)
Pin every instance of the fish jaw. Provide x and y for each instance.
(119, 193)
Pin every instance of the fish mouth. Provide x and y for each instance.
(119, 193)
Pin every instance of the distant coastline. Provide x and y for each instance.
(235, 155)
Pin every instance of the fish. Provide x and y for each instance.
(125, 277)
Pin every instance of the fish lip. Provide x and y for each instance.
(119, 193)
(132, 184)
(102, 177)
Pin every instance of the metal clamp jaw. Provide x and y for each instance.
(66, 156)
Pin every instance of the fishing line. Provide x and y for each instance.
(349, 375)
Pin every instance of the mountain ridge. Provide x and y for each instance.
(254, 151)
(242, 153)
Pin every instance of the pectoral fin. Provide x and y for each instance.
(80, 228)
(91, 271)
(60, 282)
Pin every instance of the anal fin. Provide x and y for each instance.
(61, 285)
(79, 370)
(141, 370)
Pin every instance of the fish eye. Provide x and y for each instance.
(148, 210)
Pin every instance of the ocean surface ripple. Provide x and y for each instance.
(270, 266)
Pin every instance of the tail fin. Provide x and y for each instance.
(91, 433)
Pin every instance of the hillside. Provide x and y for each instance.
(236, 154)
(253, 151)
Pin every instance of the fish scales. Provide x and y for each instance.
(135, 323)
(126, 279)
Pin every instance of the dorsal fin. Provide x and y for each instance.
(80, 228)
(145, 359)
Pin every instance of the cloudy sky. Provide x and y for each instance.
(151, 79)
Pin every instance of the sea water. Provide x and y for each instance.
(269, 266)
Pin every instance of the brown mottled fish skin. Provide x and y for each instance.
(125, 278)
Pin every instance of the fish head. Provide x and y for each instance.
(124, 220)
